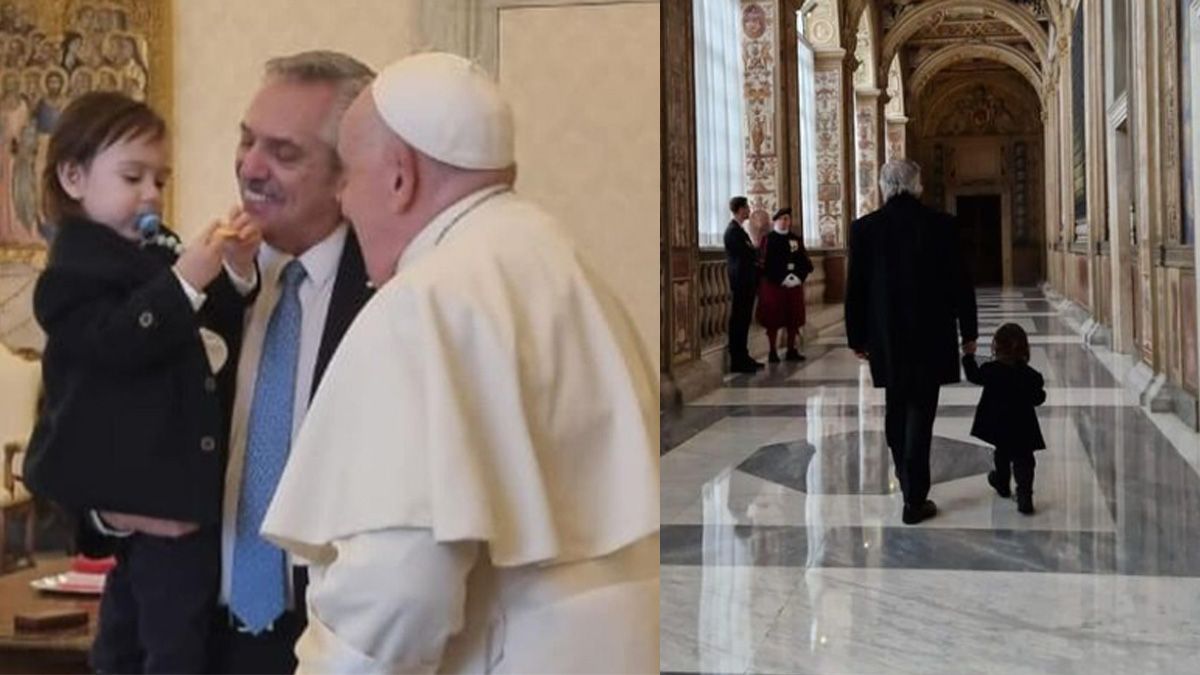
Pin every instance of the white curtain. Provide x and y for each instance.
(720, 114)
(463, 27)
(808, 144)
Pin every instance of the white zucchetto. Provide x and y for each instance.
(447, 108)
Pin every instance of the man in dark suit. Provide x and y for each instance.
(908, 299)
(312, 284)
(742, 260)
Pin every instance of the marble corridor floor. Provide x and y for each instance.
(783, 550)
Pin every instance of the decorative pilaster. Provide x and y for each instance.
(1053, 224)
(1146, 86)
(849, 142)
(896, 137)
(866, 114)
(831, 166)
(760, 61)
(1097, 192)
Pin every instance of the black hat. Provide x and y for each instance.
(785, 211)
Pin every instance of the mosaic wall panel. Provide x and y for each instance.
(759, 29)
(895, 141)
(867, 151)
(828, 79)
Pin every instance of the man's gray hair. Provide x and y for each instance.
(346, 73)
(900, 175)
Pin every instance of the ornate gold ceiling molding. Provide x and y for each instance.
(934, 11)
(948, 56)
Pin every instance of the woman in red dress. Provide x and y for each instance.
(781, 291)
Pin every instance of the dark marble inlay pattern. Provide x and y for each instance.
(857, 463)
(677, 426)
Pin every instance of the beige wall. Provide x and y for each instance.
(584, 84)
(220, 47)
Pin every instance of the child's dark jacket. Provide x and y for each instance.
(1005, 416)
(133, 418)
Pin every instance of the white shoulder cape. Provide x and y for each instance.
(494, 390)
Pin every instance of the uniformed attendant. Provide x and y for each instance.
(781, 292)
(133, 422)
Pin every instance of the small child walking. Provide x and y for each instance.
(1005, 416)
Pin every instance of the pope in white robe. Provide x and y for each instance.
(476, 484)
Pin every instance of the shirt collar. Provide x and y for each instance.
(440, 226)
(320, 261)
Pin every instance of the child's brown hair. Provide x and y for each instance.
(1010, 344)
(89, 125)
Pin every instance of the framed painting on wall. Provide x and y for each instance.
(52, 51)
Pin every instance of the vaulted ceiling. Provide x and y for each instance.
(933, 36)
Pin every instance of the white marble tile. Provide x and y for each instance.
(1183, 438)
(989, 325)
(838, 364)
(917, 621)
(714, 618)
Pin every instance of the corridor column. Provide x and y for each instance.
(896, 136)
(1054, 230)
(867, 117)
(1100, 288)
(1147, 114)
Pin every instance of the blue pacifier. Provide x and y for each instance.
(149, 224)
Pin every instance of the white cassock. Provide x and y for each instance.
(476, 482)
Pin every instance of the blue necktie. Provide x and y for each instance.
(259, 585)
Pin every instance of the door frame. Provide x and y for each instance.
(1123, 256)
(989, 190)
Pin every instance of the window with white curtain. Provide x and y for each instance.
(808, 142)
(720, 114)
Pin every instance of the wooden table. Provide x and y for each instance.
(61, 651)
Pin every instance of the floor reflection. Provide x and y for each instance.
(783, 550)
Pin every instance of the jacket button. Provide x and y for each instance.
(146, 319)
(208, 444)
(210, 384)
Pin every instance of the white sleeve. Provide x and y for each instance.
(241, 284)
(388, 603)
(194, 296)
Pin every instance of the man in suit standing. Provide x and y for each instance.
(742, 260)
(908, 300)
(312, 283)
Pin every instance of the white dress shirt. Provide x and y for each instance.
(320, 265)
